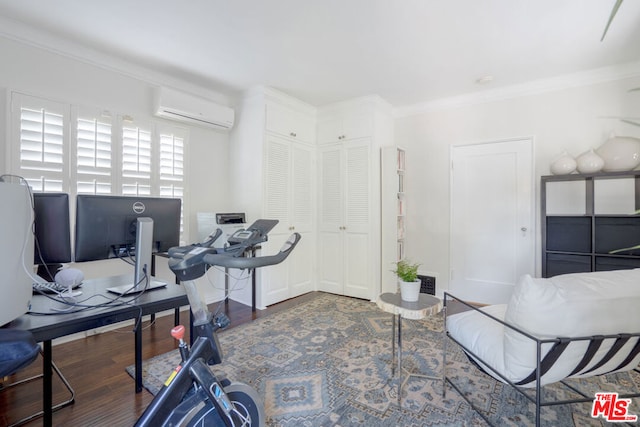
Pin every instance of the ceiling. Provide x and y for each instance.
(407, 51)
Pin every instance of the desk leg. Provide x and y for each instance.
(226, 286)
(393, 345)
(47, 384)
(399, 357)
(138, 357)
(253, 292)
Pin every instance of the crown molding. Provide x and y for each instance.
(535, 87)
(262, 93)
(24, 34)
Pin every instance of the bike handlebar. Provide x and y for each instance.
(254, 262)
(179, 251)
(191, 262)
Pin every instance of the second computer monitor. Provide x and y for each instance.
(106, 225)
(52, 232)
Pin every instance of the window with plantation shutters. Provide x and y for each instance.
(83, 150)
(42, 143)
(136, 161)
(171, 165)
(172, 169)
(94, 151)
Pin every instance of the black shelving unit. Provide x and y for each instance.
(582, 243)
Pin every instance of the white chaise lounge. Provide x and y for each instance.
(573, 325)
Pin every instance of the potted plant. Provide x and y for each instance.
(407, 273)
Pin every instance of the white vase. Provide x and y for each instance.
(409, 291)
(563, 165)
(589, 162)
(620, 153)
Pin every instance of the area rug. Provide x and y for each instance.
(327, 362)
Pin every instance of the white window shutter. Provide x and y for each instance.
(42, 142)
(94, 156)
(171, 169)
(136, 161)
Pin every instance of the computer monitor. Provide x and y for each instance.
(16, 250)
(106, 225)
(123, 226)
(52, 244)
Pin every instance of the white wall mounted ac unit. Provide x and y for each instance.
(182, 107)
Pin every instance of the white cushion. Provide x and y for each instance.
(481, 335)
(570, 305)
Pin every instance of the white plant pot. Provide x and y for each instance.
(409, 291)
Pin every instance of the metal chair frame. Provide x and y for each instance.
(39, 414)
(537, 390)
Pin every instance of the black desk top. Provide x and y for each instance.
(53, 325)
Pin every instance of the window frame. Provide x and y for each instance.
(71, 114)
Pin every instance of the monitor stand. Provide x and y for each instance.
(144, 244)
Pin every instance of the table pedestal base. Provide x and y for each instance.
(426, 305)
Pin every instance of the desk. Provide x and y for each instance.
(426, 305)
(46, 328)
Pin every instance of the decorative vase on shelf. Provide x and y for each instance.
(589, 162)
(620, 153)
(563, 164)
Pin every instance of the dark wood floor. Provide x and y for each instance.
(95, 367)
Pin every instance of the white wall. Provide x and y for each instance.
(569, 119)
(46, 74)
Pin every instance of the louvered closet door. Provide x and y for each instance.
(357, 237)
(278, 181)
(330, 259)
(301, 262)
(301, 188)
(277, 201)
(289, 199)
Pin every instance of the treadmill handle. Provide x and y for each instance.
(254, 262)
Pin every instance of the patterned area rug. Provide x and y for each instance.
(327, 362)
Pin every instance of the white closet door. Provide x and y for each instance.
(277, 182)
(302, 187)
(357, 237)
(356, 184)
(330, 268)
(301, 262)
(331, 189)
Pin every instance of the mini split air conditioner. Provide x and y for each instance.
(182, 107)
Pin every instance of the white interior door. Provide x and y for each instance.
(357, 217)
(492, 217)
(330, 249)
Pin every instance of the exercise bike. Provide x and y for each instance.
(193, 395)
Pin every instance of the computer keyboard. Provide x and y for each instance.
(50, 287)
